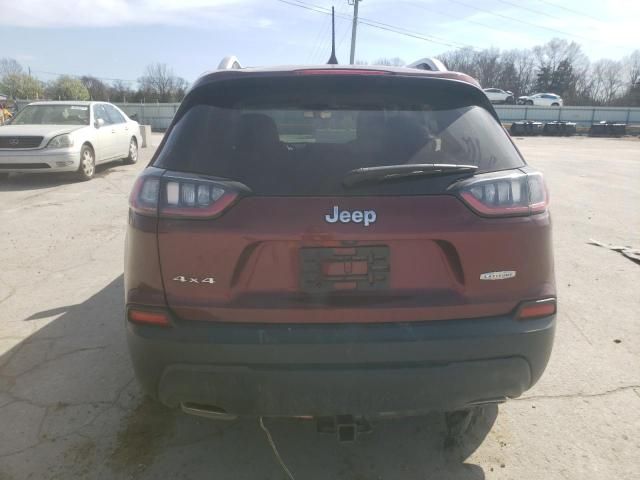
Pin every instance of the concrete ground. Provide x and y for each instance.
(70, 407)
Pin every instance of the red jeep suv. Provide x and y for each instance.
(331, 240)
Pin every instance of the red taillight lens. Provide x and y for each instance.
(145, 317)
(537, 308)
(180, 197)
(499, 194)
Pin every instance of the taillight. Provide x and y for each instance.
(169, 196)
(537, 309)
(194, 198)
(146, 317)
(144, 196)
(502, 194)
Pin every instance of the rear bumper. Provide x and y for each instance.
(41, 160)
(325, 370)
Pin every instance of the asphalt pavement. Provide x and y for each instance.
(70, 406)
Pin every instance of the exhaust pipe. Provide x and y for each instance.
(206, 411)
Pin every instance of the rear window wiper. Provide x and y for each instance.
(405, 171)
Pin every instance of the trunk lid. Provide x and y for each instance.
(436, 250)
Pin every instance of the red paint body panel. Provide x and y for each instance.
(438, 250)
(143, 280)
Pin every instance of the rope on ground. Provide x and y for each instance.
(275, 450)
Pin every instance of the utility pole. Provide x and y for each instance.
(353, 29)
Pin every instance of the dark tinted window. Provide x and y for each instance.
(302, 135)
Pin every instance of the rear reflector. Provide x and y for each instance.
(537, 308)
(145, 317)
(341, 71)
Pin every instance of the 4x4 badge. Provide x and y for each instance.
(183, 279)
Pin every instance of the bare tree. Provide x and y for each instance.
(390, 62)
(98, 90)
(120, 91)
(524, 71)
(160, 84)
(462, 60)
(607, 80)
(488, 67)
(631, 65)
(10, 66)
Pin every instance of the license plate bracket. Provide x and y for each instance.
(334, 269)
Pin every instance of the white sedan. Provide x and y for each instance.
(497, 95)
(67, 137)
(542, 100)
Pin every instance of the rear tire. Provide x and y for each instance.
(466, 429)
(133, 152)
(510, 101)
(87, 167)
(554, 104)
(529, 102)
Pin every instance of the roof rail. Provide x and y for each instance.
(229, 62)
(427, 63)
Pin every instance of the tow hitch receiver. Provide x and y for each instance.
(347, 427)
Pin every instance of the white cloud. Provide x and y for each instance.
(109, 13)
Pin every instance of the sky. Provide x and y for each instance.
(116, 39)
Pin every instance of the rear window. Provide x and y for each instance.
(302, 135)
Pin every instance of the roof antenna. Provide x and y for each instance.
(333, 60)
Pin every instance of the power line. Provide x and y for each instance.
(513, 18)
(342, 12)
(455, 17)
(521, 7)
(569, 10)
(376, 24)
(316, 44)
(320, 42)
(530, 24)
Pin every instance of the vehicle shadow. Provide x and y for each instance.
(71, 408)
(18, 182)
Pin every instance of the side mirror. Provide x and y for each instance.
(134, 117)
(98, 123)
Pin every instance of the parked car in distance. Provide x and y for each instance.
(67, 136)
(335, 239)
(541, 99)
(496, 95)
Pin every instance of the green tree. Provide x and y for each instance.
(67, 88)
(21, 86)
